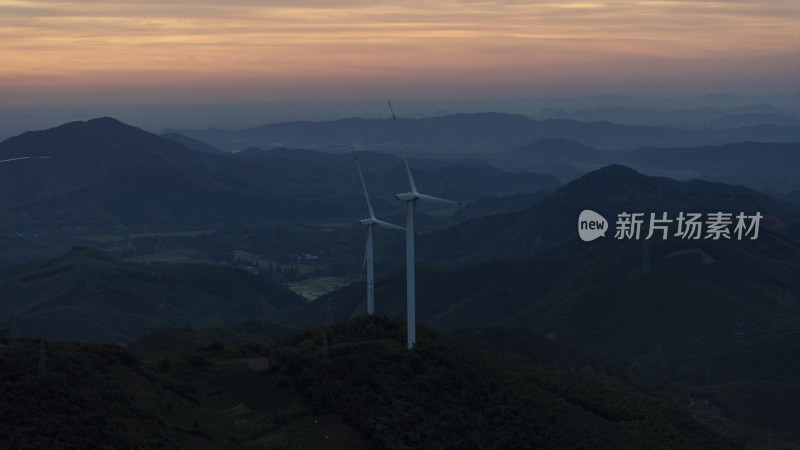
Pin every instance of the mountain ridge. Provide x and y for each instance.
(106, 174)
(455, 133)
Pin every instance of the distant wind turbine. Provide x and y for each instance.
(411, 205)
(370, 222)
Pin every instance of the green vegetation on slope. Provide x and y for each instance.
(89, 295)
(443, 394)
(373, 393)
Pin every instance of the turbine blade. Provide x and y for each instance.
(402, 147)
(440, 200)
(369, 205)
(389, 225)
(408, 169)
(25, 157)
(15, 159)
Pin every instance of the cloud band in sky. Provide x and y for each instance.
(281, 50)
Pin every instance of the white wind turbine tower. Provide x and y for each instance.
(411, 205)
(370, 222)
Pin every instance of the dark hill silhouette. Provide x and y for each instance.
(373, 393)
(443, 393)
(193, 144)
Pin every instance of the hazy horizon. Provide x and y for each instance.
(156, 118)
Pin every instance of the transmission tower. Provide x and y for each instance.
(42, 360)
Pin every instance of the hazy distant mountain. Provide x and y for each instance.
(471, 129)
(753, 119)
(694, 118)
(466, 133)
(559, 150)
(759, 165)
(767, 166)
(462, 181)
(90, 296)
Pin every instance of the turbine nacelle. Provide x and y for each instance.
(409, 196)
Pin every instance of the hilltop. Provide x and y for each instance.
(609, 191)
(373, 393)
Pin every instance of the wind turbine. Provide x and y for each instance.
(370, 222)
(411, 198)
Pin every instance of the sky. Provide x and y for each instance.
(190, 51)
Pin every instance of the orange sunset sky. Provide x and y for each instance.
(148, 51)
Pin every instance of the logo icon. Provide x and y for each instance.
(591, 225)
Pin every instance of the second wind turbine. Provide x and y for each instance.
(411, 198)
(368, 260)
